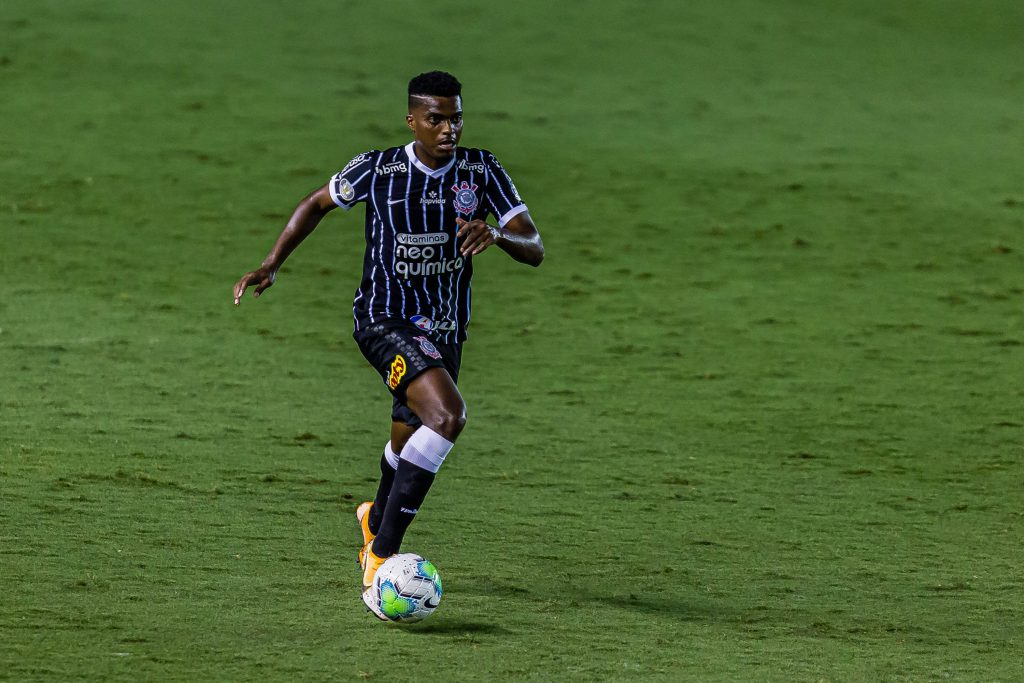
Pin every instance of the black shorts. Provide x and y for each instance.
(400, 352)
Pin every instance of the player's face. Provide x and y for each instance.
(436, 123)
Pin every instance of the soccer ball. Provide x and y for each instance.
(406, 588)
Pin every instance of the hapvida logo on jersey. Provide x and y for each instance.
(397, 371)
(465, 197)
(432, 198)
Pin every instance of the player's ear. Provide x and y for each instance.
(409, 122)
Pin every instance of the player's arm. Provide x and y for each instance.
(519, 238)
(304, 220)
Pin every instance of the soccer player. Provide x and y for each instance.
(426, 205)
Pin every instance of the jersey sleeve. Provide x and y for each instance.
(351, 185)
(502, 196)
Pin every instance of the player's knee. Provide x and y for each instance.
(449, 420)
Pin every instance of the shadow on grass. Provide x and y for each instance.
(456, 627)
(680, 609)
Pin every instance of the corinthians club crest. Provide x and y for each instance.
(465, 198)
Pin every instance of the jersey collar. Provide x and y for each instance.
(432, 172)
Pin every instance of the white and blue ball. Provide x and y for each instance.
(406, 589)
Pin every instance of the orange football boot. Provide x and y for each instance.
(370, 563)
(363, 515)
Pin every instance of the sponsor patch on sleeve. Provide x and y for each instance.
(345, 190)
(358, 159)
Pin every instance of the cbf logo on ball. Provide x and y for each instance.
(465, 198)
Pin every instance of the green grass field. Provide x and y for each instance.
(758, 417)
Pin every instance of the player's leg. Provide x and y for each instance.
(380, 344)
(435, 399)
(405, 357)
(400, 433)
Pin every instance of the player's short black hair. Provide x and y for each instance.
(436, 84)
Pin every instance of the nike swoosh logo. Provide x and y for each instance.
(392, 202)
(431, 604)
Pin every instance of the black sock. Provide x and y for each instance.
(387, 478)
(407, 493)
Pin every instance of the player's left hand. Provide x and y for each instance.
(262, 277)
(476, 236)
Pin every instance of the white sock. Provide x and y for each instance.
(427, 449)
(391, 456)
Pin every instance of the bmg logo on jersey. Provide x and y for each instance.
(419, 255)
(464, 165)
(393, 167)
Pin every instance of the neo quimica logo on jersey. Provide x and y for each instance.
(423, 238)
(420, 255)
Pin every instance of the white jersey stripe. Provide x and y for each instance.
(425, 225)
(408, 226)
(385, 238)
(375, 237)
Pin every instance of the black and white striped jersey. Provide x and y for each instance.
(412, 268)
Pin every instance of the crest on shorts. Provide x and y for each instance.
(465, 197)
(428, 348)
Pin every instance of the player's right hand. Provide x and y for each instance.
(262, 277)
